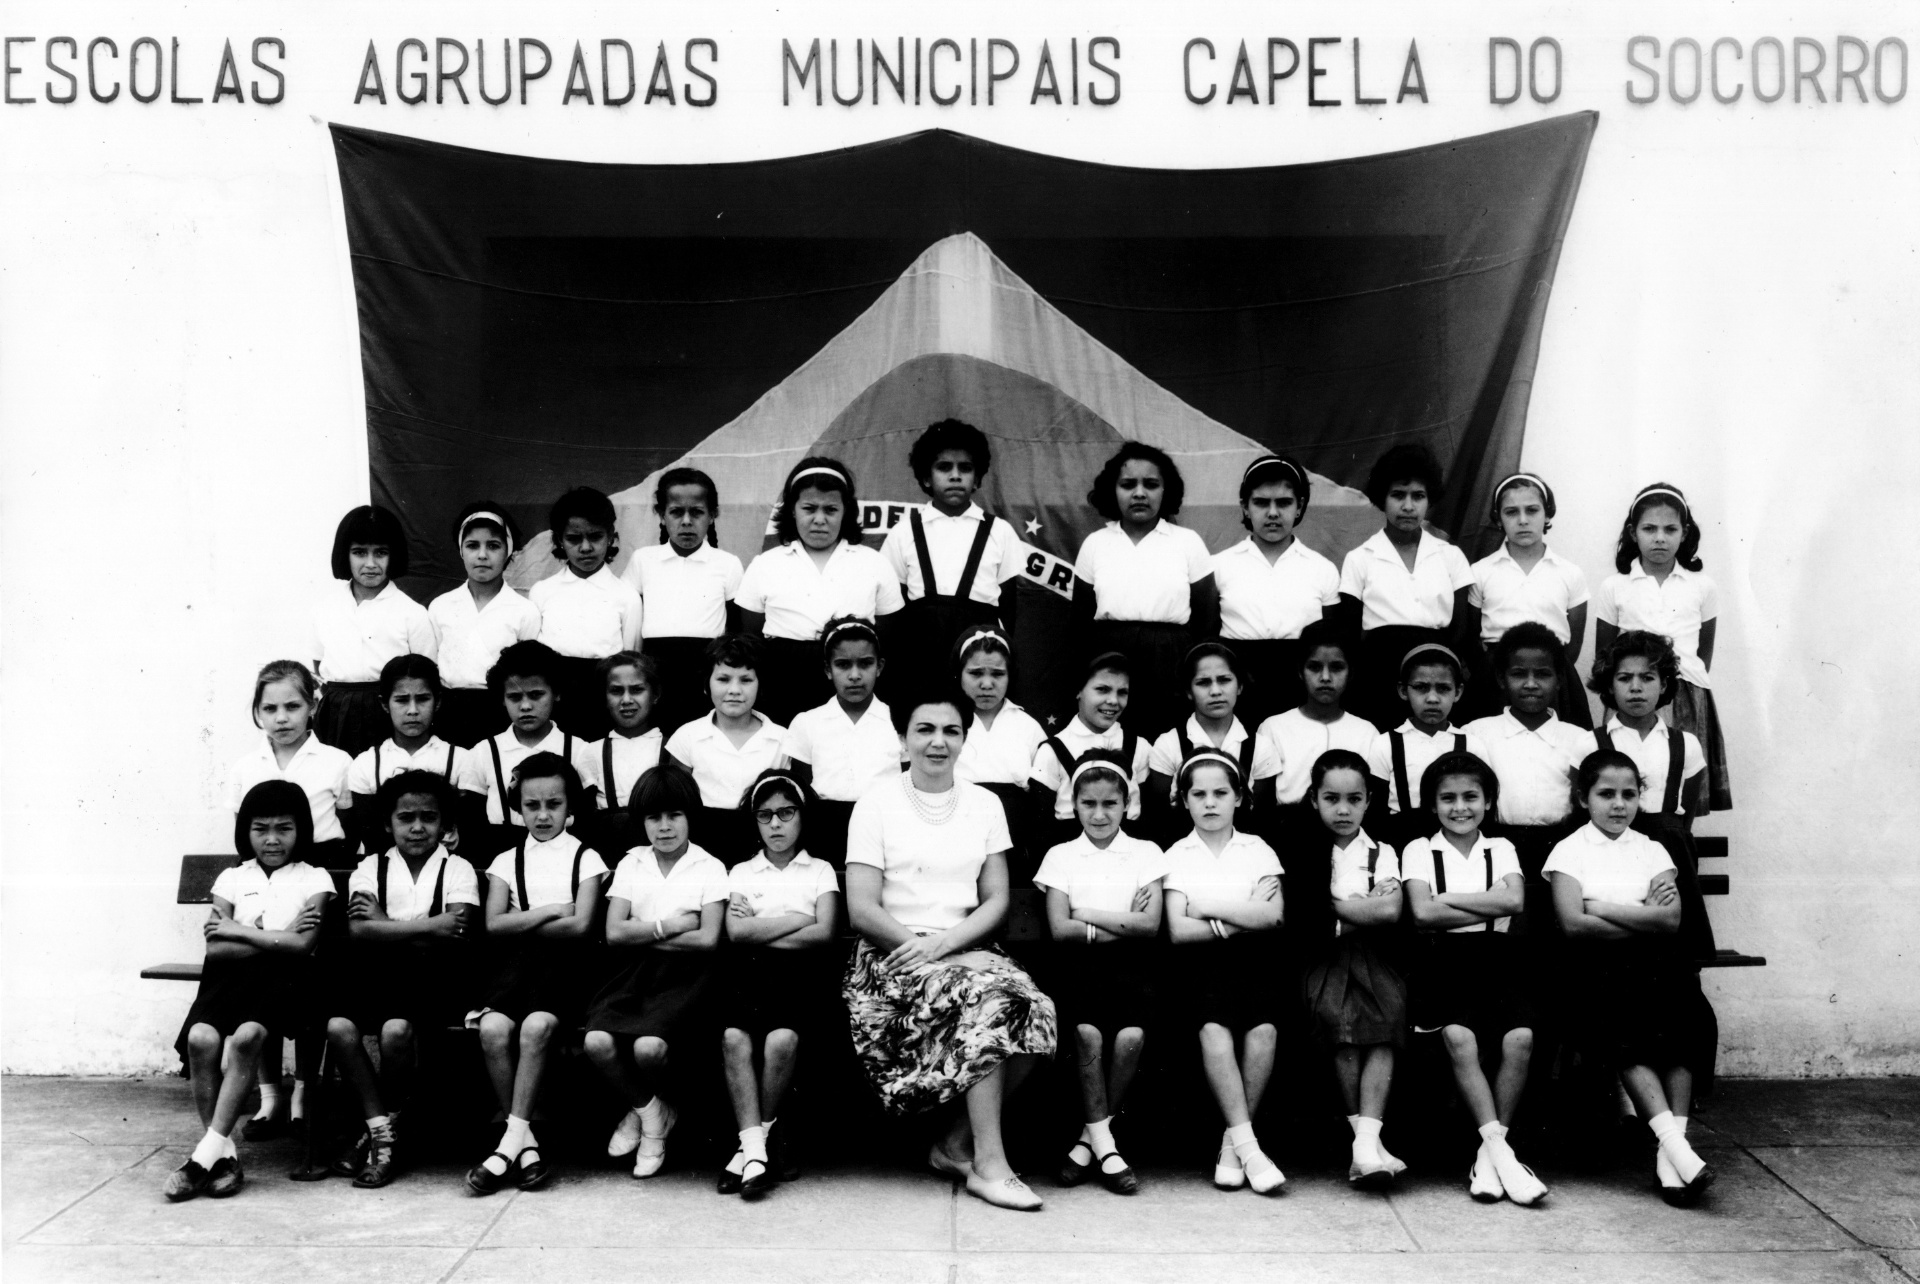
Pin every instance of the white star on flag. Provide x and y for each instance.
(1033, 526)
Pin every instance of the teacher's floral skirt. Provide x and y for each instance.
(925, 1037)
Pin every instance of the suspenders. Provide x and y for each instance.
(606, 773)
(1401, 785)
(1245, 753)
(448, 773)
(1440, 873)
(439, 887)
(1676, 764)
(500, 775)
(520, 871)
(964, 589)
(1129, 745)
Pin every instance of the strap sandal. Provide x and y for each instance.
(533, 1175)
(756, 1179)
(1074, 1169)
(729, 1180)
(482, 1180)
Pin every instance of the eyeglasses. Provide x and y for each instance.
(782, 815)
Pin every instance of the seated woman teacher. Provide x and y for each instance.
(937, 1011)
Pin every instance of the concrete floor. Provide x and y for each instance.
(1819, 1181)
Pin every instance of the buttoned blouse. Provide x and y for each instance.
(471, 637)
(798, 598)
(1422, 750)
(474, 771)
(1390, 594)
(589, 618)
(1466, 873)
(773, 891)
(1261, 600)
(1148, 582)
(353, 640)
(1298, 741)
(1507, 595)
(320, 771)
(549, 871)
(1107, 880)
(1675, 609)
(723, 771)
(1003, 753)
(697, 879)
(1535, 766)
(434, 755)
(633, 757)
(409, 898)
(683, 596)
(1653, 755)
(1233, 875)
(270, 901)
(1166, 760)
(1350, 878)
(1618, 870)
(847, 757)
(949, 541)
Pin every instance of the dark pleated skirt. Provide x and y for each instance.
(1373, 684)
(1156, 650)
(529, 974)
(276, 991)
(1273, 678)
(351, 717)
(767, 989)
(1637, 1002)
(431, 984)
(793, 679)
(1355, 995)
(1693, 711)
(658, 993)
(1470, 979)
(468, 715)
(1240, 982)
(1110, 986)
(684, 670)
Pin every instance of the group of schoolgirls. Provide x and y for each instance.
(545, 711)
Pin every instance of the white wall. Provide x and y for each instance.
(181, 407)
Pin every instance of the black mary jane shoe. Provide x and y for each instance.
(482, 1180)
(1121, 1181)
(1072, 1172)
(186, 1181)
(225, 1177)
(1689, 1195)
(756, 1179)
(728, 1183)
(532, 1175)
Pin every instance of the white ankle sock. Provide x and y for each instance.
(1240, 1137)
(1488, 1131)
(753, 1144)
(1366, 1142)
(1353, 1124)
(269, 1100)
(1099, 1137)
(212, 1149)
(1672, 1134)
(232, 1151)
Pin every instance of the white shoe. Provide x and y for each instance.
(1394, 1166)
(1521, 1185)
(653, 1144)
(1368, 1171)
(1483, 1182)
(1263, 1175)
(1008, 1192)
(1227, 1171)
(626, 1136)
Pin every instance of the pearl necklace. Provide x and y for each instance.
(930, 814)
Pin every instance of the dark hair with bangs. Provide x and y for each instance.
(663, 789)
(648, 666)
(1409, 461)
(688, 477)
(402, 667)
(525, 660)
(1657, 495)
(1587, 775)
(736, 651)
(430, 783)
(548, 766)
(274, 798)
(784, 526)
(1459, 763)
(370, 524)
(1106, 500)
(776, 781)
(948, 434)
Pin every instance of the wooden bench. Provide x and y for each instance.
(1718, 884)
(197, 875)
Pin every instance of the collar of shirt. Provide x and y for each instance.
(567, 575)
(762, 863)
(1236, 735)
(1614, 726)
(709, 727)
(621, 737)
(1509, 727)
(1194, 845)
(1639, 572)
(1112, 738)
(974, 513)
(1249, 548)
(1412, 728)
(563, 843)
(1157, 531)
(1380, 547)
(310, 747)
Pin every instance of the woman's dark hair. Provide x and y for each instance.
(775, 781)
(1654, 648)
(842, 627)
(1214, 651)
(1587, 775)
(688, 477)
(283, 671)
(903, 710)
(1524, 636)
(1183, 779)
(664, 788)
(431, 783)
(736, 651)
(649, 669)
(837, 478)
(948, 434)
(401, 667)
(547, 766)
(1268, 469)
(1409, 461)
(370, 524)
(525, 660)
(274, 798)
(497, 517)
(1335, 760)
(1107, 503)
(1459, 763)
(590, 506)
(1658, 495)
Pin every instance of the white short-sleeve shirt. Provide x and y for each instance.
(1233, 875)
(697, 879)
(1507, 595)
(1298, 741)
(353, 640)
(1464, 873)
(930, 874)
(683, 596)
(1653, 754)
(1165, 757)
(1079, 739)
(722, 770)
(549, 871)
(587, 618)
(475, 773)
(320, 771)
(798, 598)
(1261, 600)
(1422, 751)
(1390, 594)
(1535, 767)
(408, 898)
(271, 901)
(949, 541)
(1617, 870)
(1003, 753)
(1102, 880)
(1351, 877)
(1149, 582)
(471, 637)
(1675, 608)
(632, 757)
(847, 757)
(375, 767)
(772, 891)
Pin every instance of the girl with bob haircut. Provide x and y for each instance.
(820, 570)
(356, 632)
(1144, 586)
(474, 623)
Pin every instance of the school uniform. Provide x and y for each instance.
(652, 992)
(1399, 759)
(1263, 607)
(1143, 602)
(770, 987)
(1107, 985)
(1535, 767)
(1505, 594)
(1467, 976)
(618, 763)
(425, 981)
(1662, 815)
(487, 770)
(1635, 1001)
(1256, 757)
(1399, 610)
(470, 638)
(1297, 741)
(353, 640)
(321, 772)
(951, 570)
(1676, 608)
(532, 973)
(1353, 989)
(382, 763)
(797, 597)
(1236, 982)
(1057, 756)
(723, 772)
(999, 759)
(585, 620)
(848, 758)
(684, 599)
(275, 990)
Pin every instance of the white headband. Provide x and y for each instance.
(1099, 764)
(793, 787)
(506, 531)
(1276, 461)
(818, 469)
(1211, 755)
(1665, 490)
(983, 635)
